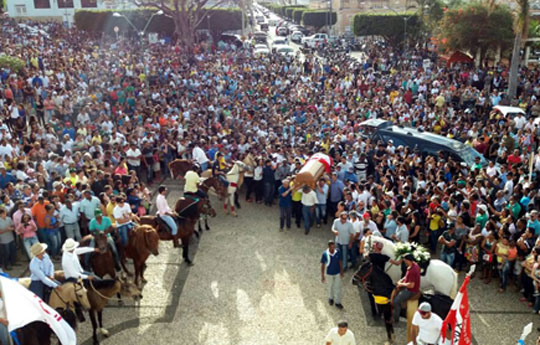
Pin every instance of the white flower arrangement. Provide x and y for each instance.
(420, 253)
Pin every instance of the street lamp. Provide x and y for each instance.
(158, 13)
(118, 15)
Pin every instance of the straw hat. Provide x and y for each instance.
(69, 245)
(38, 248)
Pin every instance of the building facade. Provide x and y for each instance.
(59, 10)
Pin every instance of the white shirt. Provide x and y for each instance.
(371, 226)
(68, 216)
(334, 338)
(309, 199)
(71, 265)
(199, 155)
(121, 212)
(192, 182)
(130, 154)
(162, 205)
(429, 330)
(2, 309)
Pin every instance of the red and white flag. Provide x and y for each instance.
(23, 307)
(459, 318)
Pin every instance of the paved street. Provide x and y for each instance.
(252, 284)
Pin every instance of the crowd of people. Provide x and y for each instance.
(89, 124)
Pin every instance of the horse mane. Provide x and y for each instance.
(381, 282)
(103, 283)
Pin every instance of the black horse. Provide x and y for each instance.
(379, 286)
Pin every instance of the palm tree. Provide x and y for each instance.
(521, 29)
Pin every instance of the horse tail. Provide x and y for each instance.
(453, 291)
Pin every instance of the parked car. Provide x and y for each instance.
(425, 142)
(259, 19)
(296, 36)
(279, 42)
(507, 112)
(284, 50)
(282, 31)
(231, 39)
(314, 40)
(260, 37)
(264, 27)
(261, 49)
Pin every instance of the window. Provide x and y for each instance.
(88, 3)
(20, 10)
(65, 3)
(42, 4)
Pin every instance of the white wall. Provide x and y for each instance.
(15, 9)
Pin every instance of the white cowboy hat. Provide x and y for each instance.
(69, 245)
(38, 248)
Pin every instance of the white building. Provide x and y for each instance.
(60, 10)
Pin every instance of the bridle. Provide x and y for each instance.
(364, 277)
(77, 287)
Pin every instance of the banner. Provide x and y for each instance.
(23, 307)
(459, 318)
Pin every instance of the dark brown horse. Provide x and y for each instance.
(216, 184)
(143, 241)
(179, 167)
(101, 263)
(39, 333)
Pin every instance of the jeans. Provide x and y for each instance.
(297, 212)
(268, 193)
(204, 166)
(42, 237)
(123, 231)
(250, 186)
(504, 272)
(333, 287)
(28, 243)
(401, 297)
(136, 168)
(448, 257)
(53, 240)
(307, 213)
(320, 213)
(4, 335)
(171, 223)
(353, 253)
(433, 239)
(344, 248)
(259, 189)
(73, 231)
(8, 251)
(285, 214)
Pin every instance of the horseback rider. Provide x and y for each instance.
(219, 167)
(102, 224)
(408, 286)
(164, 211)
(70, 261)
(191, 188)
(42, 272)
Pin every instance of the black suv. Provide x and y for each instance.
(425, 142)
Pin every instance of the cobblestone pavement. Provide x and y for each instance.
(253, 285)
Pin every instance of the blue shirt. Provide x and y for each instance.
(535, 225)
(390, 225)
(41, 270)
(336, 191)
(5, 179)
(284, 201)
(332, 268)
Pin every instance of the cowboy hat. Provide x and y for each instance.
(38, 248)
(69, 245)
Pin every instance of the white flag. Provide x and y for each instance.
(24, 307)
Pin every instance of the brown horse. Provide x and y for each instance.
(186, 228)
(102, 263)
(143, 241)
(216, 184)
(179, 167)
(99, 294)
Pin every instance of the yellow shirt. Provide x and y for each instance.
(192, 182)
(297, 196)
(109, 209)
(434, 222)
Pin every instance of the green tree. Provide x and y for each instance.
(318, 18)
(476, 26)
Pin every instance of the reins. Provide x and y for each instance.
(101, 295)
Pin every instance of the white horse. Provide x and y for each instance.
(439, 275)
(233, 176)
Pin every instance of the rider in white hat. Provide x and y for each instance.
(70, 260)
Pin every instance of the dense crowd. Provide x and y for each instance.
(90, 123)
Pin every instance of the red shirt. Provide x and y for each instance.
(513, 160)
(413, 276)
